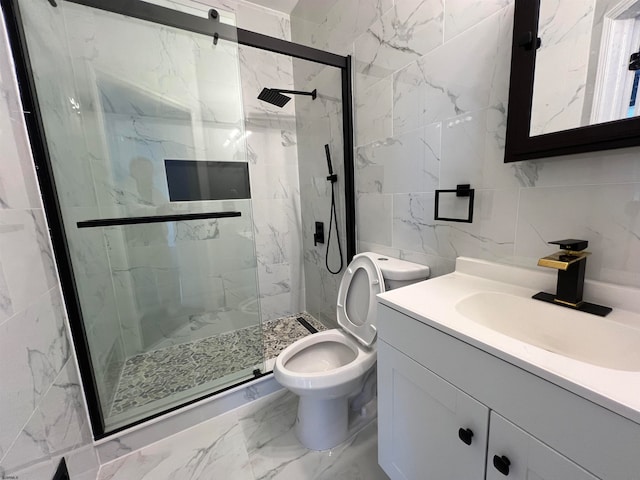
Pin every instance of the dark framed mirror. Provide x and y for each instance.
(575, 71)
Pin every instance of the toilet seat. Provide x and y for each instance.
(356, 313)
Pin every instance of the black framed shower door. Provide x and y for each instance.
(214, 29)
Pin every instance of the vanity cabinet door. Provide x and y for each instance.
(513, 454)
(427, 428)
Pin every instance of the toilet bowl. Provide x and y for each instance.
(327, 369)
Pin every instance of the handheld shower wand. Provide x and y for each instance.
(333, 215)
(333, 178)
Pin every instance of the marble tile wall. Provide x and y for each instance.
(565, 53)
(433, 115)
(42, 410)
(273, 153)
(320, 122)
(273, 156)
(70, 141)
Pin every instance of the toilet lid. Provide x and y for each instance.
(357, 303)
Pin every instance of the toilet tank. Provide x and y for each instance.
(399, 273)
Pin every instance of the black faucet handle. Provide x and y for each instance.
(571, 244)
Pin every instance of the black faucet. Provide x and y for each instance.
(571, 264)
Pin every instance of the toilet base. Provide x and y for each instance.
(322, 423)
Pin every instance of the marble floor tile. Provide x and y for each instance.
(276, 454)
(254, 442)
(213, 449)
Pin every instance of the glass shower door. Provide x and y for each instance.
(144, 127)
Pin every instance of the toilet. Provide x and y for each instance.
(327, 369)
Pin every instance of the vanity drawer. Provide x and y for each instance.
(604, 443)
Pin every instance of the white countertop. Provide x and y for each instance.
(433, 302)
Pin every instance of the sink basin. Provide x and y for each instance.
(576, 335)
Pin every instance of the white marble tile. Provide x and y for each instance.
(565, 29)
(18, 186)
(25, 255)
(373, 119)
(63, 414)
(210, 450)
(614, 166)
(364, 246)
(403, 164)
(463, 14)
(306, 73)
(83, 463)
(30, 448)
(275, 453)
(34, 347)
(500, 79)
(277, 224)
(413, 224)
(279, 278)
(608, 216)
(253, 442)
(402, 35)
(262, 69)
(491, 235)
(63, 126)
(263, 20)
(57, 426)
(463, 150)
(40, 471)
(344, 22)
(274, 182)
(165, 428)
(374, 218)
(272, 145)
(321, 287)
(6, 307)
(281, 305)
(435, 88)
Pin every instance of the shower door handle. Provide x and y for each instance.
(116, 222)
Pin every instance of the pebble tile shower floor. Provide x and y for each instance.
(157, 374)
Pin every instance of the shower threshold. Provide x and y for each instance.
(153, 380)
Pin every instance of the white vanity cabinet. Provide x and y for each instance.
(432, 384)
(515, 455)
(420, 416)
(428, 429)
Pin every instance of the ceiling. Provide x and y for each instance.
(280, 5)
(307, 9)
(313, 10)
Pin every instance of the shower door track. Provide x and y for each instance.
(37, 139)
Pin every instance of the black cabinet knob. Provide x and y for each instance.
(465, 435)
(502, 464)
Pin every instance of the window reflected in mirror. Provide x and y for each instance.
(587, 69)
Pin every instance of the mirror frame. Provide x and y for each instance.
(519, 145)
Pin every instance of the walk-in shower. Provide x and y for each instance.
(164, 193)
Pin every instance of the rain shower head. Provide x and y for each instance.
(274, 96)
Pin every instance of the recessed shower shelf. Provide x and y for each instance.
(115, 222)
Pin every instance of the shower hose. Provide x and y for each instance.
(333, 217)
